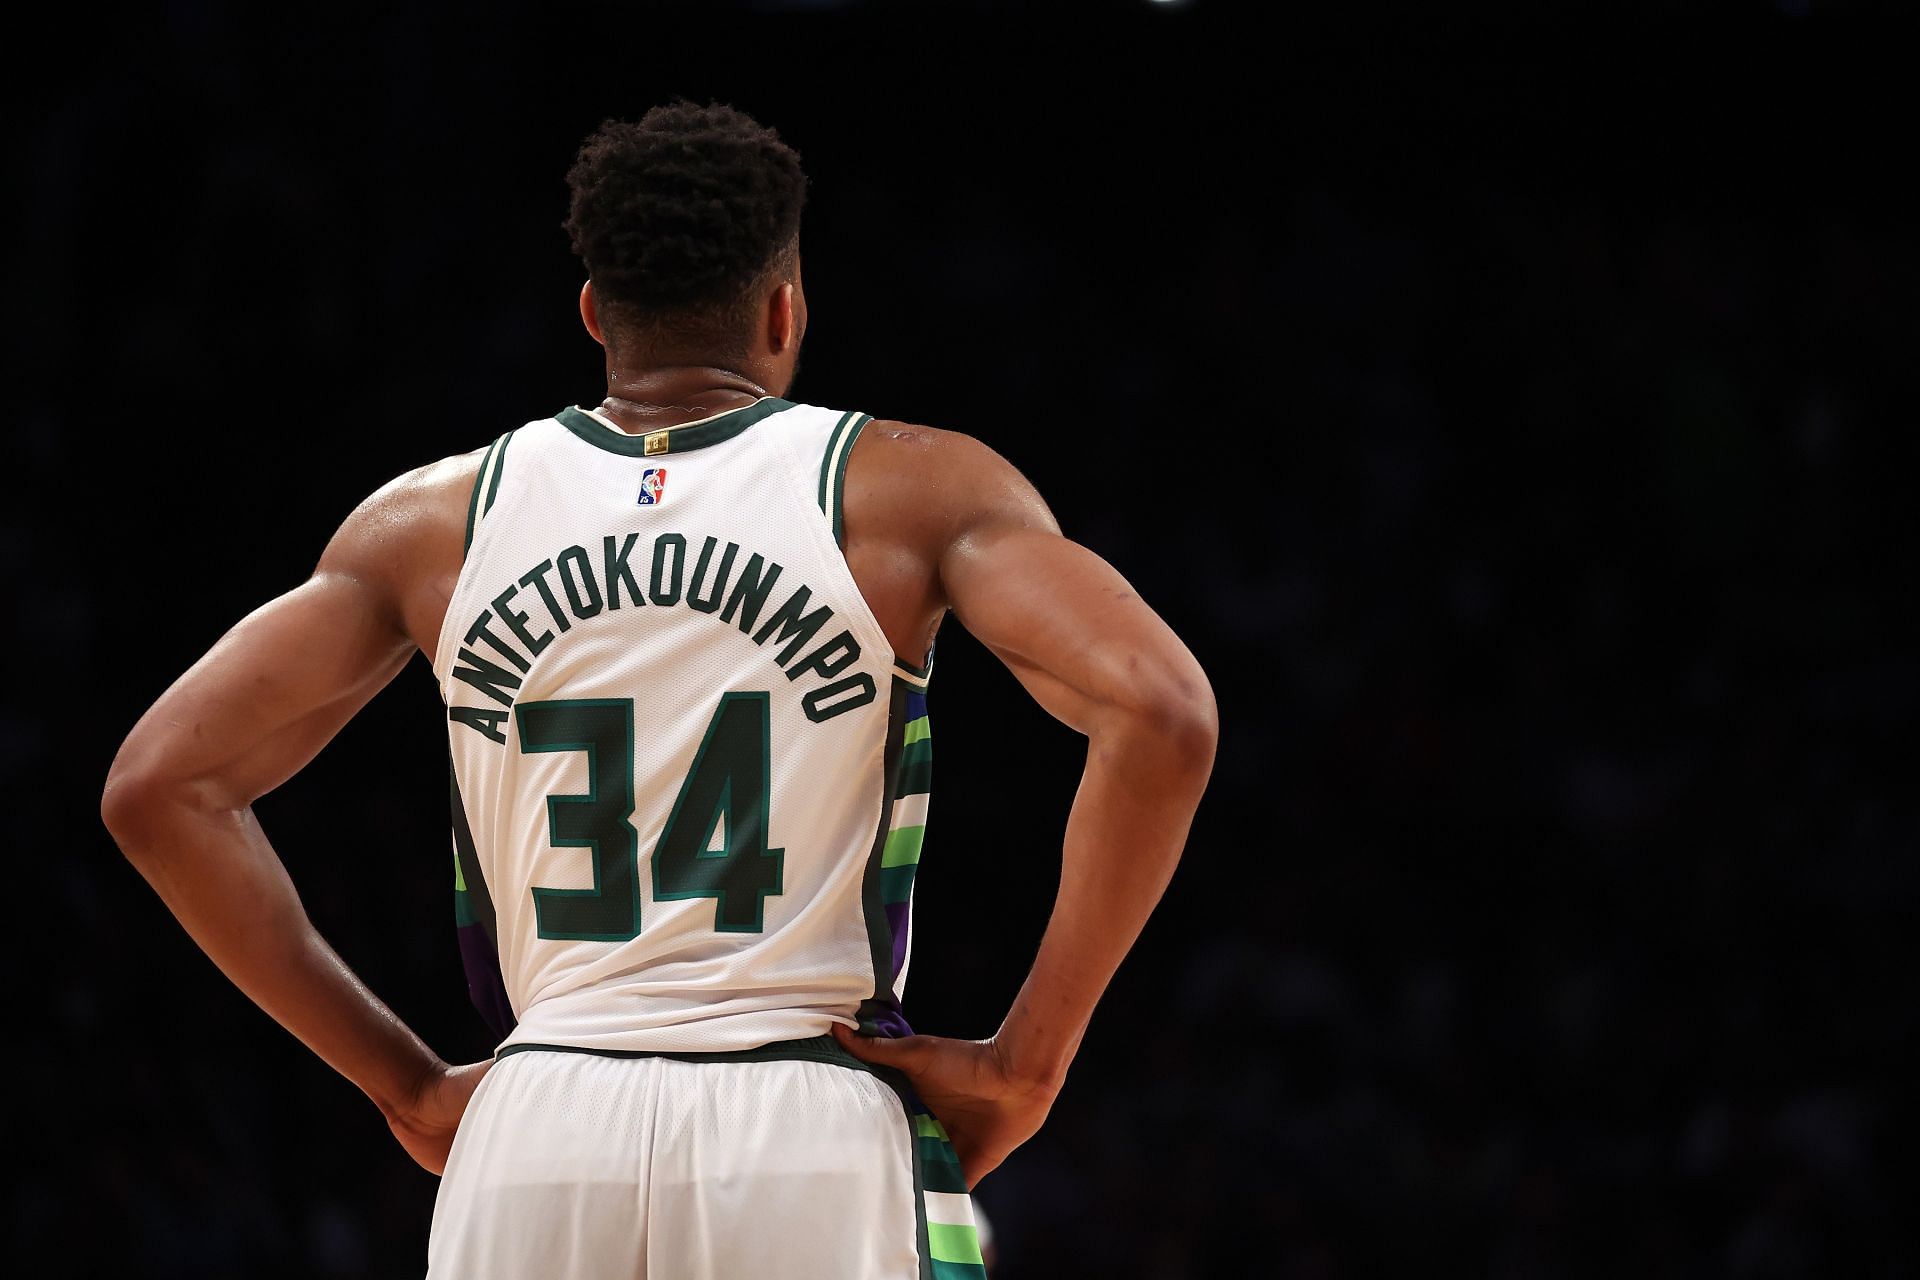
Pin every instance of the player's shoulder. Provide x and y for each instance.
(913, 443)
(432, 482)
(419, 512)
(914, 454)
(940, 477)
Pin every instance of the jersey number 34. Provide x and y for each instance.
(713, 846)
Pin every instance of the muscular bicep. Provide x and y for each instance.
(270, 694)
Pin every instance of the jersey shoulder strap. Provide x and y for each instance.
(833, 470)
(486, 483)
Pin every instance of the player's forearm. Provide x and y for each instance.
(216, 872)
(1143, 781)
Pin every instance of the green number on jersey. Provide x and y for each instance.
(598, 820)
(715, 841)
(715, 844)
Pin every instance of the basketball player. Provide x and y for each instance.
(683, 638)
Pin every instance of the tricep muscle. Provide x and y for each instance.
(268, 696)
(1069, 626)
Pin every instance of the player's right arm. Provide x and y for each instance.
(244, 719)
(1099, 659)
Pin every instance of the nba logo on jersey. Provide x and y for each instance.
(653, 485)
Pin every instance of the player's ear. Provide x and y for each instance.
(590, 314)
(783, 326)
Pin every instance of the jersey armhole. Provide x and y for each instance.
(833, 472)
(833, 500)
(914, 677)
(486, 483)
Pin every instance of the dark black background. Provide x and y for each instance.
(1519, 430)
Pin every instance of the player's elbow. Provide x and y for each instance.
(130, 793)
(137, 791)
(1191, 723)
(1174, 707)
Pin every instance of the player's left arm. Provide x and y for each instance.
(244, 719)
(1094, 655)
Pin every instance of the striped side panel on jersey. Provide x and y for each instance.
(953, 1238)
(894, 862)
(473, 920)
(486, 486)
(833, 471)
(949, 1237)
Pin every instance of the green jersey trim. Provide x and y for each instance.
(839, 511)
(913, 675)
(833, 472)
(812, 1049)
(827, 456)
(947, 1251)
(472, 902)
(479, 483)
(832, 498)
(499, 465)
(718, 429)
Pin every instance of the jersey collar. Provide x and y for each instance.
(688, 435)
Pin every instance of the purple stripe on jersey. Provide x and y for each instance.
(485, 987)
(883, 1020)
(897, 925)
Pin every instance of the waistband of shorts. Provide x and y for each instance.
(811, 1049)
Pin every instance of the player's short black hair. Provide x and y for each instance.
(680, 214)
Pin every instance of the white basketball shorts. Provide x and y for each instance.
(792, 1160)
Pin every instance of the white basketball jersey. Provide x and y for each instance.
(689, 778)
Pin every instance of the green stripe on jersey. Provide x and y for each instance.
(840, 482)
(928, 1127)
(918, 731)
(811, 1049)
(939, 1170)
(938, 1150)
(499, 465)
(896, 884)
(826, 459)
(948, 1243)
(718, 429)
(915, 777)
(473, 502)
(944, 1270)
(903, 847)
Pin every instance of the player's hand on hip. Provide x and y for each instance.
(986, 1108)
(426, 1127)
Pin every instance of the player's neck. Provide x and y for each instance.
(669, 394)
